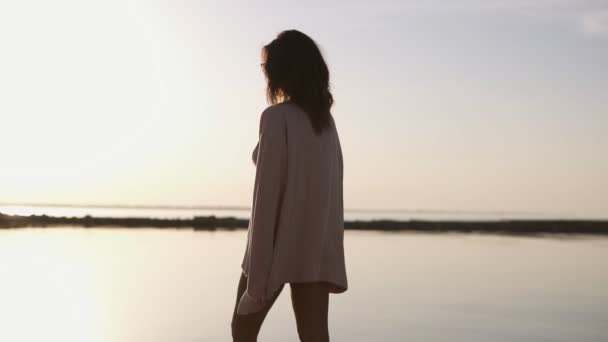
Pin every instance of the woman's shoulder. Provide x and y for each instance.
(289, 114)
(274, 117)
(281, 108)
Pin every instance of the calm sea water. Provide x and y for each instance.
(120, 285)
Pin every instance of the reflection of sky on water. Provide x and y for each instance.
(165, 285)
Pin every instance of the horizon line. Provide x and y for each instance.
(240, 207)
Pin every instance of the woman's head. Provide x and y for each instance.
(296, 71)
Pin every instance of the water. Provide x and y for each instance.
(120, 285)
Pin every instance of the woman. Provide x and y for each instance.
(296, 229)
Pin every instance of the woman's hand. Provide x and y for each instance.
(248, 304)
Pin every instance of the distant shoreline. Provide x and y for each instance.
(248, 209)
(209, 223)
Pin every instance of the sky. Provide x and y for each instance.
(461, 105)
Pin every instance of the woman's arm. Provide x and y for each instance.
(269, 186)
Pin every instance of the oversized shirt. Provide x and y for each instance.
(296, 230)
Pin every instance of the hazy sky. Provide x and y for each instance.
(462, 105)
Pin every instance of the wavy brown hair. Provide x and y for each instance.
(296, 72)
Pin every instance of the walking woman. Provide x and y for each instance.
(296, 229)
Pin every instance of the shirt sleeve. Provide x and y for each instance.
(271, 165)
(340, 161)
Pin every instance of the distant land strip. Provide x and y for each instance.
(500, 226)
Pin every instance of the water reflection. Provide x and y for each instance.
(178, 285)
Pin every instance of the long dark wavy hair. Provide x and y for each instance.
(296, 72)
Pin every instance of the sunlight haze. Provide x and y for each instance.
(472, 105)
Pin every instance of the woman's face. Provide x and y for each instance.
(263, 58)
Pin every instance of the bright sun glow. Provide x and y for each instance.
(94, 92)
(49, 292)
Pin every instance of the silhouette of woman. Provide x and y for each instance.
(296, 230)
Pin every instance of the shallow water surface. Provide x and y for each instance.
(123, 285)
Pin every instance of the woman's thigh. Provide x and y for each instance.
(310, 305)
(245, 328)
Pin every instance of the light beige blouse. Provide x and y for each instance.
(296, 228)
